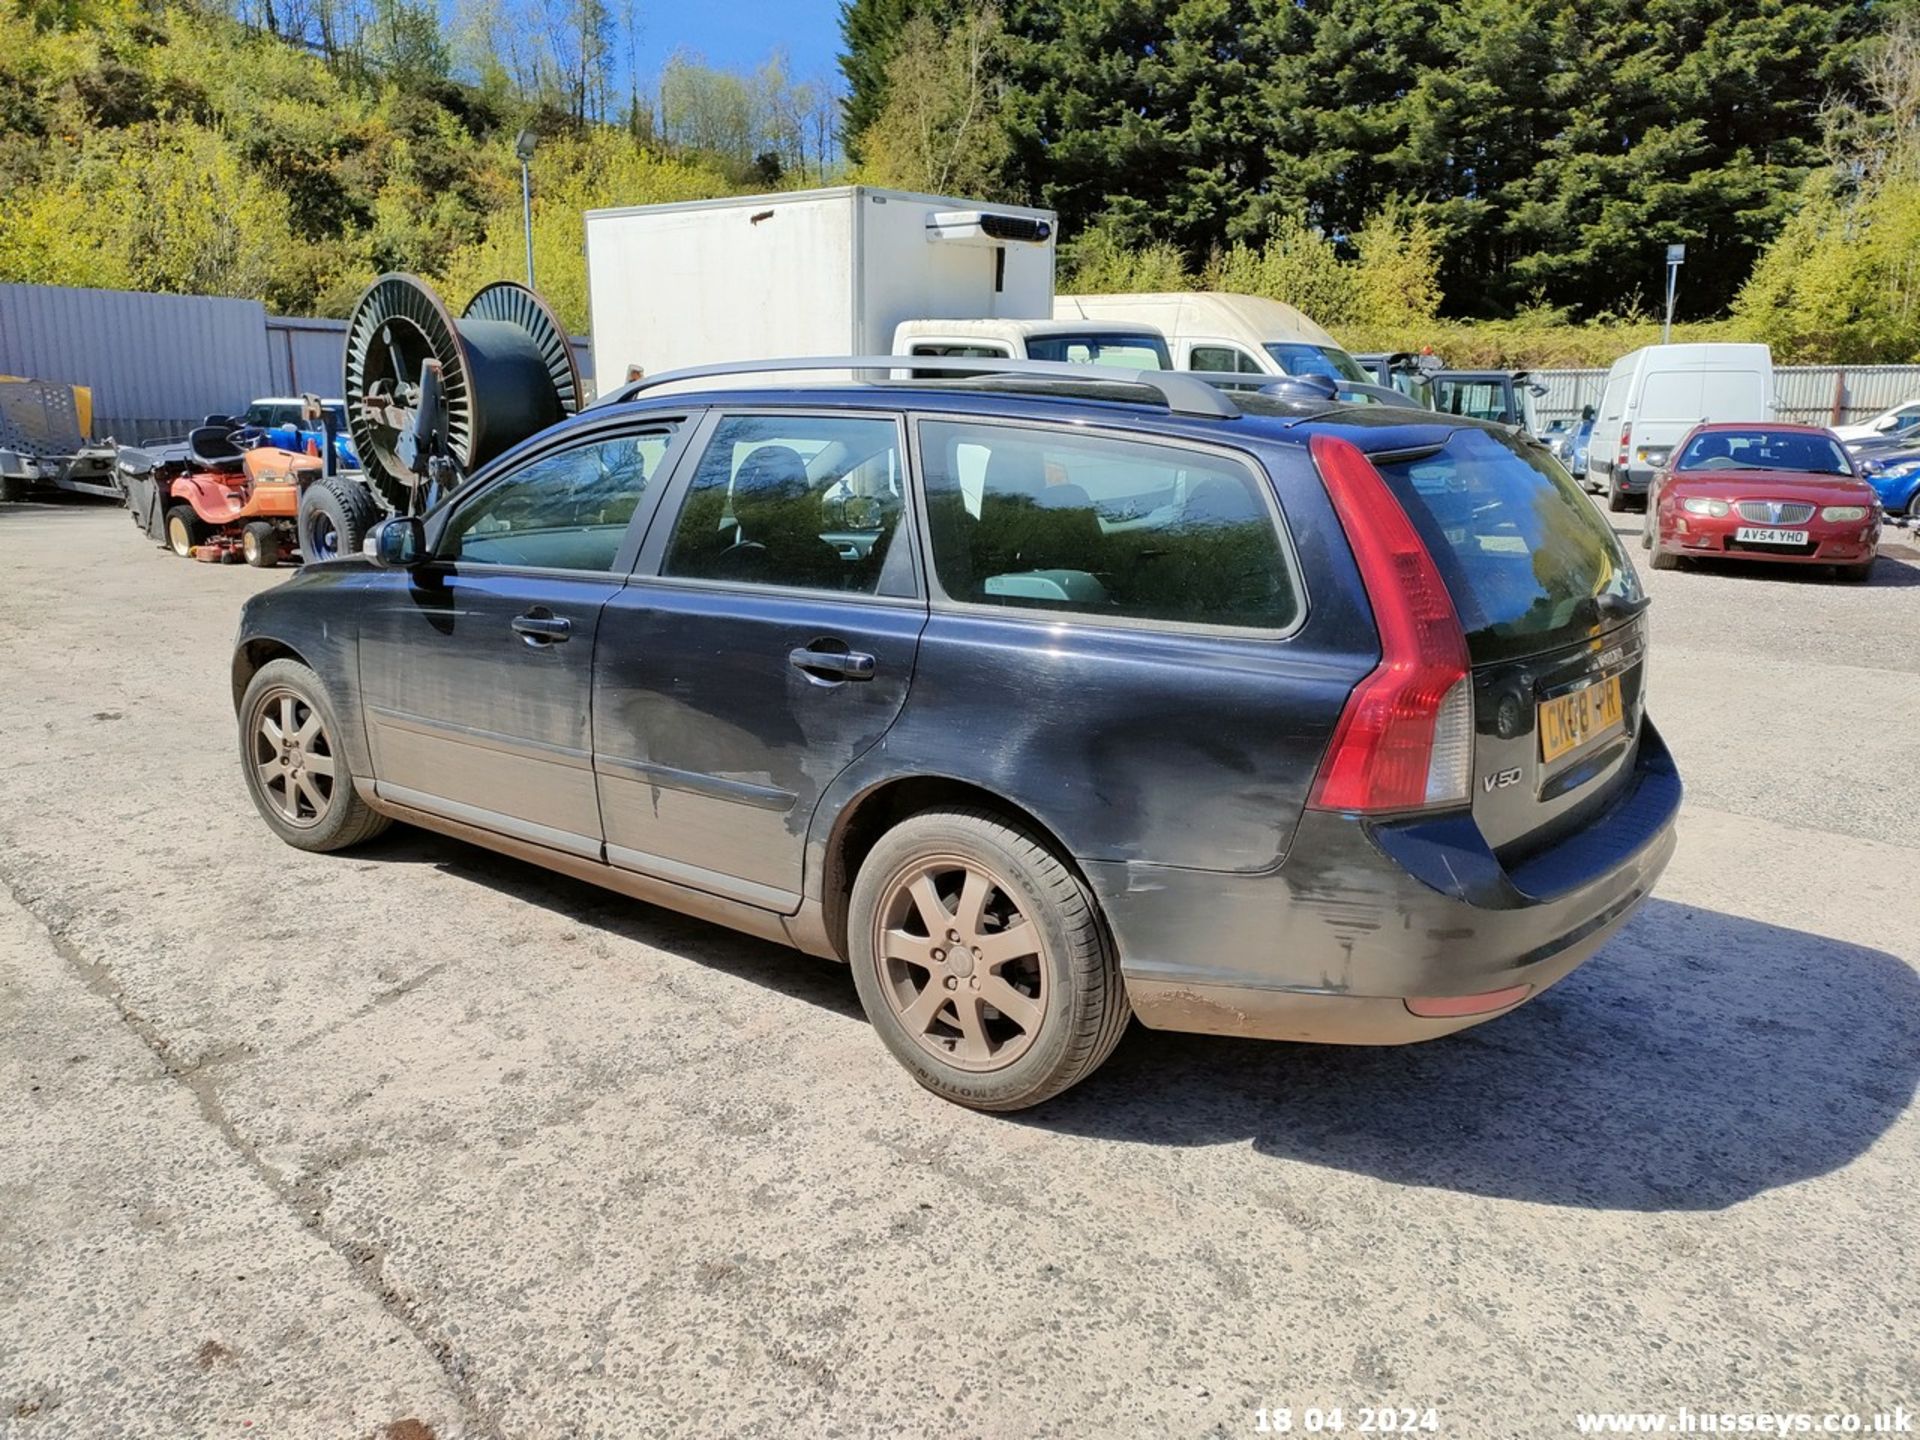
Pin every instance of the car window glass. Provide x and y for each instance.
(1104, 527)
(1522, 550)
(259, 415)
(565, 511)
(1297, 358)
(1478, 399)
(1211, 357)
(958, 352)
(801, 500)
(1123, 352)
(1765, 450)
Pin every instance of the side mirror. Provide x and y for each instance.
(1891, 423)
(397, 544)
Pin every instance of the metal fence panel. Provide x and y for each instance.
(155, 363)
(1805, 394)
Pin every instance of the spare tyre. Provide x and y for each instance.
(334, 518)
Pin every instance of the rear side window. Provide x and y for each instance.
(1103, 527)
(804, 501)
(1524, 553)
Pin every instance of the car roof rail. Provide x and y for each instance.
(1326, 388)
(1180, 392)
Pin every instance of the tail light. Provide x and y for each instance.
(1626, 444)
(1405, 739)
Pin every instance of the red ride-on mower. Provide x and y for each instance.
(216, 499)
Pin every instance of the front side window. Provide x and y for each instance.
(568, 510)
(808, 501)
(1102, 527)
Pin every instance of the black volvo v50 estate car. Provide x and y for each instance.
(1042, 703)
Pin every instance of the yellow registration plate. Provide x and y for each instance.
(1569, 721)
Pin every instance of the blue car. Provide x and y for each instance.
(279, 421)
(1895, 477)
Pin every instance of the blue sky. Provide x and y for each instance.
(739, 34)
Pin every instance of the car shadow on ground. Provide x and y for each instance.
(1698, 1061)
(825, 983)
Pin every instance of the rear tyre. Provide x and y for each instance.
(335, 516)
(1616, 498)
(295, 768)
(260, 544)
(981, 960)
(184, 529)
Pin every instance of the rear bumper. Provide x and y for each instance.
(1365, 916)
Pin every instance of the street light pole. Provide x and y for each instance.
(1676, 256)
(524, 147)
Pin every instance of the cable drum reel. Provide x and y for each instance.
(504, 371)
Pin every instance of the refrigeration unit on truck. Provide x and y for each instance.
(847, 271)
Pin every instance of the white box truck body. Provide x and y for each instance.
(812, 272)
(1656, 394)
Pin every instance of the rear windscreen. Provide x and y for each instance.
(1529, 561)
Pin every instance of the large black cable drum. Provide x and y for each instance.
(506, 367)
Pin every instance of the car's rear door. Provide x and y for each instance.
(766, 639)
(1553, 613)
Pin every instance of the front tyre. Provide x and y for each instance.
(260, 544)
(981, 960)
(295, 768)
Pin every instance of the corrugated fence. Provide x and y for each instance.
(1809, 394)
(157, 364)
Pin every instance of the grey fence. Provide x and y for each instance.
(1810, 394)
(158, 363)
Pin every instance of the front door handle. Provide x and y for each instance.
(540, 626)
(839, 664)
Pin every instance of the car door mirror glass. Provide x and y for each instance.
(398, 543)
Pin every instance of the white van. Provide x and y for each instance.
(1218, 330)
(1121, 344)
(1656, 394)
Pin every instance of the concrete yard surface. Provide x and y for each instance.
(416, 1141)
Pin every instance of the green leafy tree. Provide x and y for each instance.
(940, 129)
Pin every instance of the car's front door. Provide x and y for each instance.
(476, 668)
(766, 640)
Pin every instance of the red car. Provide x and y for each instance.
(1785, 493)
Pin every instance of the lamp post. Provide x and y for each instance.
(524, 147)
(1676, 256)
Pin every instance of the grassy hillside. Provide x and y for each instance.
(182, 152)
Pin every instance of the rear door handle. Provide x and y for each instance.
(840, 664)
(542, 627)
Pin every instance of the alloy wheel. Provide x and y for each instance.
(961, 964)
(293, 758)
